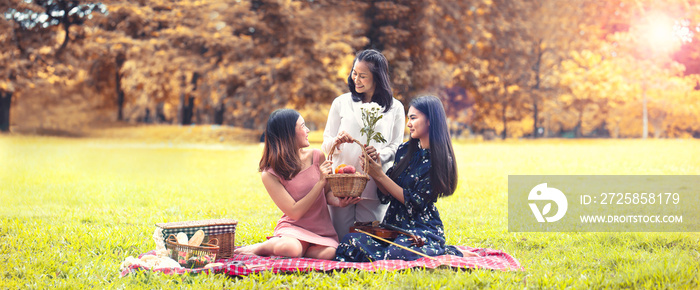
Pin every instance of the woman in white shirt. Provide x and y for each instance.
(368, 82)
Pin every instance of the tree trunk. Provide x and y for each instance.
(577, 129)
(66, 29)
(120, 93)
(187, 108)
(505, 123)
(534, 126)
(536, 87)
(160, 113)
(219, 114)
(120, 101)
(5, 103)
(645, 115)
(187, 111)
(196, 118)
(504, 108)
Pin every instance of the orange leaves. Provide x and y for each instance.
(246, 58)
(6, 86)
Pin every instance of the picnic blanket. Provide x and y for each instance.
(242, 265)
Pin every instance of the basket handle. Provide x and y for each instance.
(364, 151)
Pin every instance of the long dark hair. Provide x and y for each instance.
(280, 152)
(443, 168)
(379, 67)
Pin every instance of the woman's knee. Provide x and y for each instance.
(289, 248)
(320, 252)
(327, 254)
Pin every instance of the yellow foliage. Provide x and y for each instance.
(345, 66)
(325, 60)
(513, 88)
(581, 79)
(449, 55)
(45, 50)
(283, 63)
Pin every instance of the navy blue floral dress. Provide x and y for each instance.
(418, 215)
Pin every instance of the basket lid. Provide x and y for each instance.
(201, 223)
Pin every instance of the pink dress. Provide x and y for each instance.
(315, 227)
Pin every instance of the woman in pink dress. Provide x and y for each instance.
(295, 178)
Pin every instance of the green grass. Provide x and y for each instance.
(73, 209)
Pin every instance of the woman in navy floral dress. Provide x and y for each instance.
(424, 170)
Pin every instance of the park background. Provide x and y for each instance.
(623, 68)
(117, 115)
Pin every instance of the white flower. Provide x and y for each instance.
(371, 106)
(371, 113)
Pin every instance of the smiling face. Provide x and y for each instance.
(302, 133)
(418, 125)
(363, 78)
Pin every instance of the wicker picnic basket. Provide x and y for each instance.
(192, 256)
(346, 184)
(224, 230)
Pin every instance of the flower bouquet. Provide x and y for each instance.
(370, 116)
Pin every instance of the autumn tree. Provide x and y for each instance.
(501, 65)
(301, 53)
(455, 45)
(154, 58)
(553, 31)
(510, 67)
(645, 36)
(422, 40)
(35, 35)
(232, 63)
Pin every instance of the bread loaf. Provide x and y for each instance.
(181, 238)
(197, 238)
(211, 265)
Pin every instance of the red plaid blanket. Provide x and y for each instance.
(241, 265)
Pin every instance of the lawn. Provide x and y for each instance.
(74, 208)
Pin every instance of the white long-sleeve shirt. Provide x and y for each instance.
(345, 115)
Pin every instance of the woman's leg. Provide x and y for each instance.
(468, 254)
(357, 247)
(276, 246)
(320, 252)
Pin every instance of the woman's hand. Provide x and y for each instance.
(375, 167)
(326, 169)
(343, 137)
(372, 152)
(343, 201)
